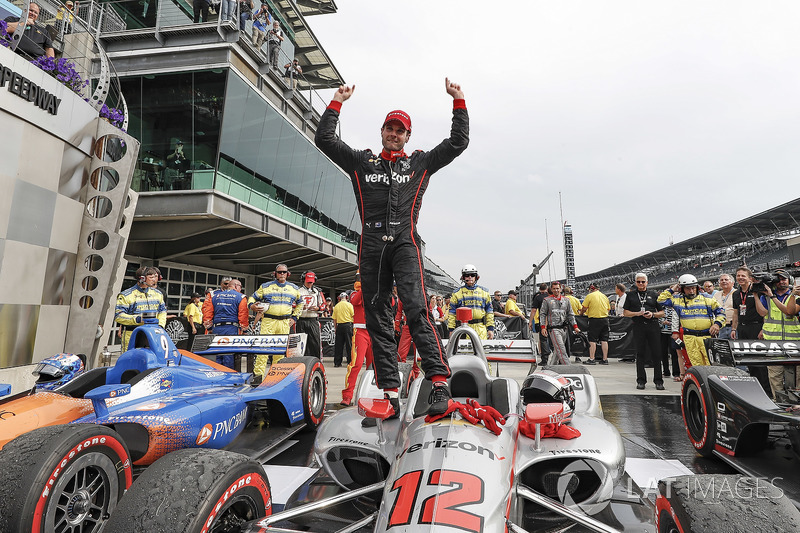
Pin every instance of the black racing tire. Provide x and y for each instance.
(194, 491)
(716, 503)
(62, 478)
(406, 379)
(315, 392)
(699, 412)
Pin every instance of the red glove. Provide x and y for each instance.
(452, 407)
(549, 430)
(486, 414)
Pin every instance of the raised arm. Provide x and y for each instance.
(450, 148)
(326, 138)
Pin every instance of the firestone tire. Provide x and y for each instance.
(194, 491)
(315, 392)
(62, 478)
(715, 503)
(699, 413)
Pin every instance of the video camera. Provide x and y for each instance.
(761, 280)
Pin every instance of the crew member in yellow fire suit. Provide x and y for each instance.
(142, 297)
(476, 298)
(281, 303)
(700, 316)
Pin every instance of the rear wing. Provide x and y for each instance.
(291, 345)
(501, 350)
(729, 352)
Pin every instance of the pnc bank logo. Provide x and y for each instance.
(205, 434)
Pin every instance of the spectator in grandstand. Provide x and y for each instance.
(780, 323)
(746, 320)
(35, 40)
(476, 298)
(620, 289)
(700, 317)
(556, 319)
(642, 306)
(708, 288)
(724, 298)
(497, 304)
(596, 306)
(544, 346)
(66, 16)
(343, 320)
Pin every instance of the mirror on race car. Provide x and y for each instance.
(374, 408)
(545, 413)
(5, 389)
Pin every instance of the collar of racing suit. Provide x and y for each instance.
(391, 155)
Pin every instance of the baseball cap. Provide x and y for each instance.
(400, 116)
(196, 295)
(512, 291)
(593, 285)
(343, 295)
(310, 276)
(782, 273)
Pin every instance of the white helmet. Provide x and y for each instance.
(469, 269)
(687, 280)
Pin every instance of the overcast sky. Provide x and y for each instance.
(655, 120)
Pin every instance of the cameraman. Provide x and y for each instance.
(780, 321)
(274, 40)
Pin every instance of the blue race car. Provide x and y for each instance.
(155, 400)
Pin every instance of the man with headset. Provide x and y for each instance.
(141, 298)
(779, 309)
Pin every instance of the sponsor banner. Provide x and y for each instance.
(327, 336)
(620, 338)
(513, 327)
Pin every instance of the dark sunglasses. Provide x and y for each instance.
(281, 271)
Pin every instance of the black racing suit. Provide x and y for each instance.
(389, 249)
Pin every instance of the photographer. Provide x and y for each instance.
(274, 39)
(780, 321)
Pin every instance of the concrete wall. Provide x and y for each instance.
(48, 206)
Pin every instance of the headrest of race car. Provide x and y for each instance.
(464, 314)
(545, 413)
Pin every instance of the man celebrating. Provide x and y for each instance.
(227, 314)
(142, 297)
(476, 298)
(313, 301)
(279, 300)
(642, 307)
(389, 188)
